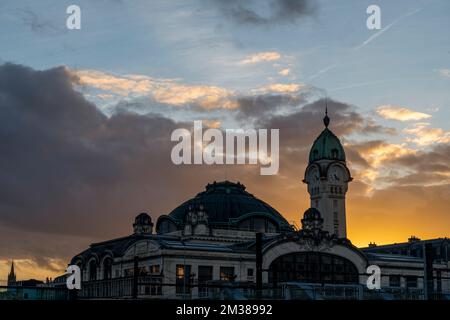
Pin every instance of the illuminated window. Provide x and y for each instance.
(227, 273)
(183, 279)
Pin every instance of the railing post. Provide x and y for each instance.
(135, 277)
(258, 248)
(428, 283)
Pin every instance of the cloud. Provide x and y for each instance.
(279, 11)
(120, 85)
(424, 135)
(445, 73)
(282, 88)
(36, 23)
(166, 91)
(401, 114)
(261, 57)
(370, 157)
(284, 72)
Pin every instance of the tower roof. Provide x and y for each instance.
(327, 145)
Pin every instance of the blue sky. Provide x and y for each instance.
(195, 44)
(192, 40)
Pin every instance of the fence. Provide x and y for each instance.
(154, 287)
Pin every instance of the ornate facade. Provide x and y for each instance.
(206, 248)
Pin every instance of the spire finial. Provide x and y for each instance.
(326, 119)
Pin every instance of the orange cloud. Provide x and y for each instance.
(425, 136)
(401, 114)
(376, 154)
(284, 72)
(281, 88)
(261, 57)
(162, 90)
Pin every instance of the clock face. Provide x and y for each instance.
(314, 175)
(335, 175)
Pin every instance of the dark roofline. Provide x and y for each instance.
(407, 243)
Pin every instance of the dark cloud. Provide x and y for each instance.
(300, 128)
(257, 106)
(37, 23)
(266, 13)
(435, 160)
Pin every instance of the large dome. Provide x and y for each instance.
(227, 204)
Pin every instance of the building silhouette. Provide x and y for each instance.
(206, 248)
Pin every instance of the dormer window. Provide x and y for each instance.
(335, 154)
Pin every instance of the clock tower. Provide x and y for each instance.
(327, 177)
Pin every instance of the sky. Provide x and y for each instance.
(86, 115)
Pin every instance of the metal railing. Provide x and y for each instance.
(154, 287)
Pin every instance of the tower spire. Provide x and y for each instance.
(12, 269)
(326, 119)
(11, 275)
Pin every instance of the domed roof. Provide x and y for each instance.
(143, 218)
(327, 145)
(226, 203)
(312, 214)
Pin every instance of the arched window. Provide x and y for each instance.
(93, 270)
(312, 267)
(107, 268)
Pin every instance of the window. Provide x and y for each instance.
(250, 274)
(154, 269)
(205, 274)
(334, 153)
(183, 277)
(227, 273)
(336, 229)
(129, 272)
(107, 268)
(439, 281)
(394, 281)
(156, 288)
(93, 270)
(336, 223)
(411, 282)
(312, 267)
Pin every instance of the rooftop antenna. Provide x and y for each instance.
(326, 119)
